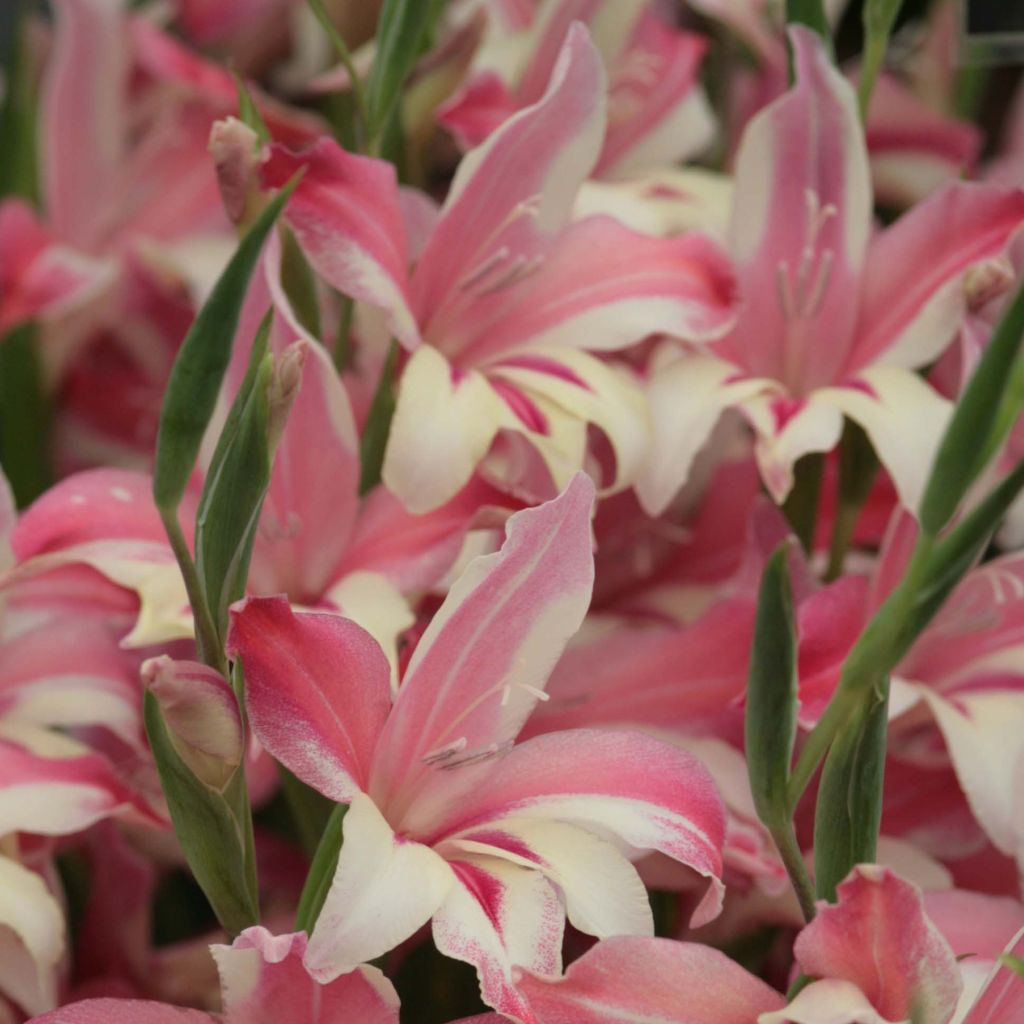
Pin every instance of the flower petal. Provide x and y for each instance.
(645, 979)
(317, 688)
(486, 655)
(383, 890)
(497, 916)
(264, 982)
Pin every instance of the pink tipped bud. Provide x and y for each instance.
(235, 149)
(284, 388)
(987, 281)
(201, 715)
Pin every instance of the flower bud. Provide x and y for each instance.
(235, 149)
(283, 390)
(201, 713)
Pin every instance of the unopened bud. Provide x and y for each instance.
(284, 388)
(235, 149)
(987, 281)
(201, 714)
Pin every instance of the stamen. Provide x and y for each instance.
(447, 752)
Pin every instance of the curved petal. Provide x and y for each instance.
(31, 938)
(515, 191)
(498, 916)
(264, 981)
(912, 296)
(687, 394)
(485, 657)
(878, 938)
(646, 979)
(831, 1001)
(658, 114)
(625, 786)
(445, 421)
(384, 889)
(602, 891)
(904, 419)
(347, 216)
(317, 689)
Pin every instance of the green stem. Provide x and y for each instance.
(789, 849)
(208, 643)
(871, 64)
(801, 507)
(345, 55)
(343, 346)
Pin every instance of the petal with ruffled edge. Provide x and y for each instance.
(647, 979)
(498, 916)
(317, 689)
(879, 939)
(482, 663)
(31, 938)
(384, 889)
(623, 786)
(263, 981)
(602, 891)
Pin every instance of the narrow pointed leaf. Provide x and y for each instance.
(202, 362)
(24, 417)
(249, 113)
(879, 17)
(321, 871)
(378, 425)
(849, 808)
(771, 711)
(977, 415)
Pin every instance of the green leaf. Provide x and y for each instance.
(232, 498)
(378, 425)
(212, 835)
(249, 113)
(1014, 963)
(360, 112)
(849, 808)
(801, 506)
(978, 416)
(879, 17)
(299, 283)
(24, 417)
(202, 361)
(403, 32)
(771, 713)
(321, 871)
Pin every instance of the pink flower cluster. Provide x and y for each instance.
(599, 315)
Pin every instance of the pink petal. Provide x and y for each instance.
(317, 688)
(486, 655)
(603, 287)
(646, 793)
(478, 109)
(1003, 997)
(498, 916)
(627, 979)
(878, 938)
(123, 1011)
(514, 192)
(912, 292)
(385, 888)
(800, 227)
(348, 219)
(83, 115)
(264, 982)
(657, 113)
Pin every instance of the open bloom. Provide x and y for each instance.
(834, 318)
(658, 114)
(263, 982)
(448, 820)
(507, 297)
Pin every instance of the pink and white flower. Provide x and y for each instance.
(448, 819)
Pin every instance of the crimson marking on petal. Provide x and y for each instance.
(504, 841)
(864, 387)
(538, 364)
(525, 410)
(485, 889)
(784, 409)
